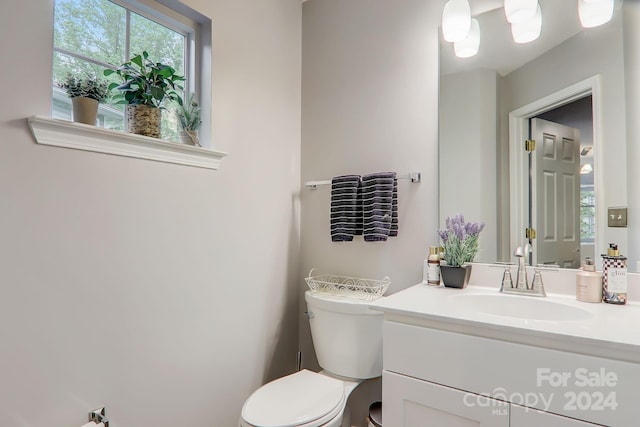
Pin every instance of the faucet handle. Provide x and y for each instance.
(537, 284)
(507, 281)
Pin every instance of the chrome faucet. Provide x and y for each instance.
(522, 286)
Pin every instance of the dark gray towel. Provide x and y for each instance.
(379, 206)
(345, 214)
(359, 222)
(394, 209)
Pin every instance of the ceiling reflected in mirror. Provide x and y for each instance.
(497, 48)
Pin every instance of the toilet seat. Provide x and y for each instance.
(303, 399)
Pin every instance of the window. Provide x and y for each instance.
(92, 35)
(587, 215)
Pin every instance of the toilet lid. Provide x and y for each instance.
(294, 400)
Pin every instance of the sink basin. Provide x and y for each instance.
(523, 307)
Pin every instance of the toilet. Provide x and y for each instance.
(347, 337)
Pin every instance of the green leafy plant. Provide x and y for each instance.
(189, 113)
(460, 240)
(145, 82)
(85, 86)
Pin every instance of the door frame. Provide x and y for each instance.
(518, 167)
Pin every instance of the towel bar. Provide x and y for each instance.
(412, 176)
(99, 416)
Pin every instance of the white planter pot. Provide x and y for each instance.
(85, 110)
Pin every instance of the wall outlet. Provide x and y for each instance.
(617, 217)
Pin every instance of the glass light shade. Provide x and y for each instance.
(456, 20)
(469, 46)
(595, 12)
(586, 169)
(528, 31)
(520, 10)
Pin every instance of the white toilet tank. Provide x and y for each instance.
(347, 335)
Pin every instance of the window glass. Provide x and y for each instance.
(587, 216)
(163, 44)
(92, 28)
(166, 46)
(91, 35)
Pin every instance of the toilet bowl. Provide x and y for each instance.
(347, 337)
(302, 399)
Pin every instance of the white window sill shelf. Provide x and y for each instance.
(63, 133)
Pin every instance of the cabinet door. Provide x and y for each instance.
(527, 417)
(409, 402)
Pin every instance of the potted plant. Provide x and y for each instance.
(460, 243)
(190, 117)
(86, 93)
(145, 88)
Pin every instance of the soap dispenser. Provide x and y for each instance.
(588, 282)
(433, 266)
(614, 288)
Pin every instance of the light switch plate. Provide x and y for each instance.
(617, 217)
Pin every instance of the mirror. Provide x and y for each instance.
(570, 75)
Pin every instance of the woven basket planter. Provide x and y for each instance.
(144, 120)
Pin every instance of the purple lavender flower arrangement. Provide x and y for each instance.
(460, 240)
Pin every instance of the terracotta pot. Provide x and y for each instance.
(85, 110)
(144, 120)
(455, 277)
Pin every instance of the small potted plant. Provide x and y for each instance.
(86, 93)
(190, 117)
(145, 88)
(460, 243)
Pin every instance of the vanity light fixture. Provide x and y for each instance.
(529, 30)
(469, 46)
(518, 11)
(456, 20)
(595, 12)
(586, 169)
(525, 17)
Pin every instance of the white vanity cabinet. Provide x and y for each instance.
(448, 368)
(439, 378)
(410, 402)
(527, 417)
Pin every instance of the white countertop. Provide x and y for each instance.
(611, 331)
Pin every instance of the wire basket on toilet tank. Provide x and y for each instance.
(347, 287)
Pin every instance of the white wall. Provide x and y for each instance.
(370, 104)
(166, 293)
(468, 143)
